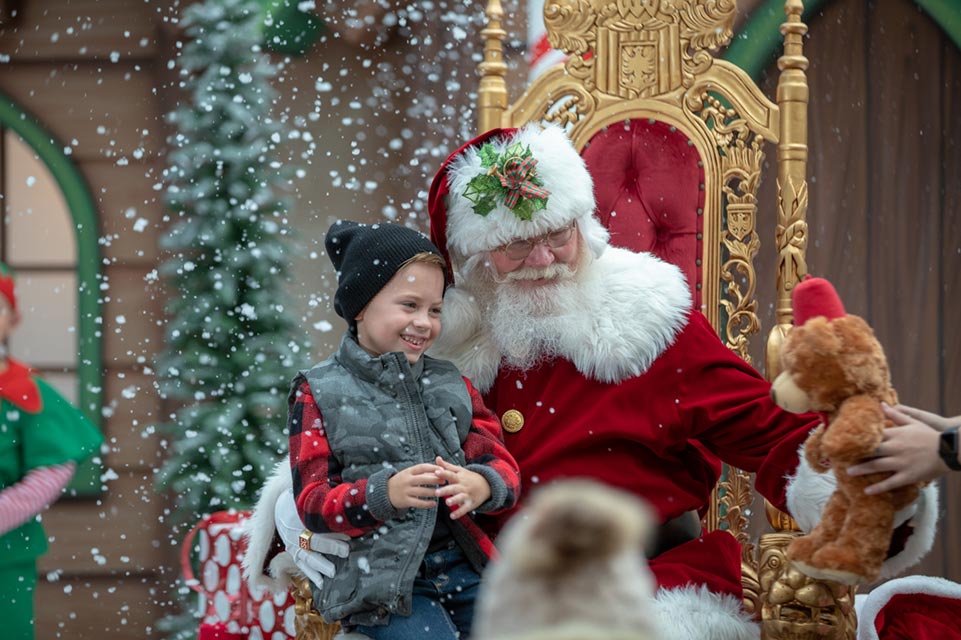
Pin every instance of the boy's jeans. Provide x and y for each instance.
(442, 606)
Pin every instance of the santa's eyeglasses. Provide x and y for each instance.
(520, 249)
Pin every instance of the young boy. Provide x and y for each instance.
(394, 448)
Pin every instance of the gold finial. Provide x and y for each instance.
(492, 94)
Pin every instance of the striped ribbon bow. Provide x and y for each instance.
(517, 179)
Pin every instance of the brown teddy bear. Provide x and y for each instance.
(833, 364)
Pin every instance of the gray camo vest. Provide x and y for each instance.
(383, 415)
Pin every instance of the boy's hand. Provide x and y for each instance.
(465, 489)
(414, 487)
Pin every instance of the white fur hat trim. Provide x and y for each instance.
(561, 170)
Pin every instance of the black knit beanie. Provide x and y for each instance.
(366, 257)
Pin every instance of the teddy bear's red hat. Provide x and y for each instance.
(814, 297)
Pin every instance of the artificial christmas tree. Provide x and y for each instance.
(232, 343)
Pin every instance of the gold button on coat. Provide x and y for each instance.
(512, 421)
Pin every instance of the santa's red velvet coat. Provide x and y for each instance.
(644, 396)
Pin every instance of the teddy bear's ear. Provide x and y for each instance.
(863, 355)
(816, 338)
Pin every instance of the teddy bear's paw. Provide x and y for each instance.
(841, 564)
(801, 549)
(832, 575)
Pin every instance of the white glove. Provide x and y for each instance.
(312, 563)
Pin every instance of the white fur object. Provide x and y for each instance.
(630, 309)
(259, 531)
(869, 606)
(809, 491)
(561, 170)
(695, 613)
(573, 556)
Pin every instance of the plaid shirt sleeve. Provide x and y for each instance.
(325, 503)
(487, 455)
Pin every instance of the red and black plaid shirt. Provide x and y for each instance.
(328, 504)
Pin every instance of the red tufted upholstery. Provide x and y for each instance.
(649, 184)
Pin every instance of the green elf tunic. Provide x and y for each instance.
(38, 428)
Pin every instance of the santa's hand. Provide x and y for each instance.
(310, 561)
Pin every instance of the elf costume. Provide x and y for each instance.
(42, 438)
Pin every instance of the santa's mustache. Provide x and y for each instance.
(556, 271)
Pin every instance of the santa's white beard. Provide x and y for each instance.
(529, 324)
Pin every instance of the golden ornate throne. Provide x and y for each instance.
(674, 138)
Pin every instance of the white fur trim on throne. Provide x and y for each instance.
(260, 531)
(808, 492)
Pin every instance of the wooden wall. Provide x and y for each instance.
(885, 202)
(88, 70)
(884, 215)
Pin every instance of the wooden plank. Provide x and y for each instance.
(118, 532)
(904, 120)
(101, 111)
(132, 405)
(131, 210)
(131, 309)
(837, 165)
(53, 29)
(118, 606)
(838, 138)
(951, 294)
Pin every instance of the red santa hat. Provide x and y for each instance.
(8, 286)
(508, 184)
(814, 297)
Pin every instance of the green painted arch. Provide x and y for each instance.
(82, 209)
(758, 42)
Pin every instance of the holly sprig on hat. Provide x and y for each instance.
(512, 177)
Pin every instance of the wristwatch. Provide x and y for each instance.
(948, 448)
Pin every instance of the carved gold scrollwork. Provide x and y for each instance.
(570, 25)
(791, 234)
(566, 110)
(571, 29)
(795, 607)
(736, 499)
(741, 156)
(307, 622)
(568, 106)
(729, 510)
(752, 588)
(708, 24)
(638, 48)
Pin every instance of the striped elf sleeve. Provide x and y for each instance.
(38, 490)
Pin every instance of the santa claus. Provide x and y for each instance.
(599, 367)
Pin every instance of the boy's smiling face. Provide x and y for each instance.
(404, 316)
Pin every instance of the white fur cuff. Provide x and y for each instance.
(808, 492)
(924, 521)
(260, 530)
(693, 612)
(868, 606)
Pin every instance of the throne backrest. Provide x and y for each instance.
(674, 137)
